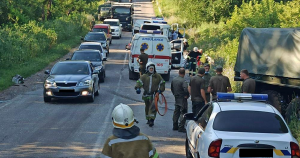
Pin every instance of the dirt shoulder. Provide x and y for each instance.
(31, 83)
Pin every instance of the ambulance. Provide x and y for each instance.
(157, 47)
(137, 25)
(164, 28)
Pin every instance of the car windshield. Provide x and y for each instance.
(97, 37)
(96, 47)
(120, 10)
(150, 27)
(70, 69)
(100, 30)
(249, 121)
(111, 23)
(89, 56)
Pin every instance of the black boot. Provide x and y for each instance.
(151, 122)
(148, 121)
(175, 127)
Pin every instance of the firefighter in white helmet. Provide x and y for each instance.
(152, 83)
(127, 140)
(192, 60)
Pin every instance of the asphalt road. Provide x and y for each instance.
(73, 128)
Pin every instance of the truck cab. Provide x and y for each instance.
(156, 46)
(123, 12)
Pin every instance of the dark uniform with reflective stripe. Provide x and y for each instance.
(151, 83)
(206, 78)
(192, 60)
(128, 143)
(179, 88)
(248, 86)
(143, 58)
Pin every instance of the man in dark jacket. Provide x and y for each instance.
(179, 88)
(142, 60)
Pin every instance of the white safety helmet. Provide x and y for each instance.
(150, 64)
(122, 116)
(195, 49)
(185, 40)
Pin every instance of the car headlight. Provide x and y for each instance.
(98, 68)
(117, 30)
(84, 83)
(103, 44)
(49, 83)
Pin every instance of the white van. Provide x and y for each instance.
(116, 27)
(137, 25)
(158, 49)
(164, 28)
(178, 58)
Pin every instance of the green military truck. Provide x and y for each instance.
(272, 57)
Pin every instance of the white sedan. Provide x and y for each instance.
(238, 125)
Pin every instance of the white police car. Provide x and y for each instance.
(239, 126)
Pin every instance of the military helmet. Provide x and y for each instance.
(122, 116)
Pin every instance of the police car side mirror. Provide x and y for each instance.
(189, 116)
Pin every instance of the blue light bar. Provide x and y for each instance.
(242, 96)
(150, 31)
(155, 18)
(159, 22)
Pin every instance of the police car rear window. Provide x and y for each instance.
(249, 121)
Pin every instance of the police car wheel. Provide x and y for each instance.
(187, 150)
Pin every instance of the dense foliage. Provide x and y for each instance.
(31, 29)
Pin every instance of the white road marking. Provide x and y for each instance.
(100, 138)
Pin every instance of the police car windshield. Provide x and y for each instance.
(249, 121)
(100, 30)
(70, 69)
(95, 37)
(111, 23)
(122, 10)
(97, 47)
(89, 56)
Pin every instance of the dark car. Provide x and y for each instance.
(93, 56)
(94, 46)
(71, 79)
(99, 37)
(103, 28)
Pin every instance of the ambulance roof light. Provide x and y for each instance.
(155, 18)
(150, 31)
(242, 96)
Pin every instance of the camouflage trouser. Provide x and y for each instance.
(180, 110)
(150, 110)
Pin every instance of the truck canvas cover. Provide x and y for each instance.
(269, 51)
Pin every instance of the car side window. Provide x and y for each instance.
(204, 118)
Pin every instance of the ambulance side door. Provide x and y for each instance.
(161, 54)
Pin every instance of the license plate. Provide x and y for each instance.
(66, 90)
(265, 153)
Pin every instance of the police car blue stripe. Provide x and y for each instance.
(225, 149)
(286, 152)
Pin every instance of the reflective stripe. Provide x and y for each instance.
(156, 155)
(140, 82)
(119, 140)
(161, 82)
(103, 156)
(123, 126)
(150, 85)
(152, 152)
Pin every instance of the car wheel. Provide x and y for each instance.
(101, 78)
(47, 100)
(92, 98)
(187, 149)
(97, 92)
(166, 77)
(133, 75)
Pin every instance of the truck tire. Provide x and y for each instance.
(275, 99)
(292, 109)
(166, 77)
(133, 75)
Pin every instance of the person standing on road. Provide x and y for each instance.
(197, 92)
(152, 83)
(192, 60)
(179, 89)
(248, 83)
(142, 60)
(127, 141)
(219, 83)
(92, 24)
(206, 78)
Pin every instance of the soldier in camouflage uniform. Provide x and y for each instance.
(206, 78)
(179, 88)
(152, 83)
